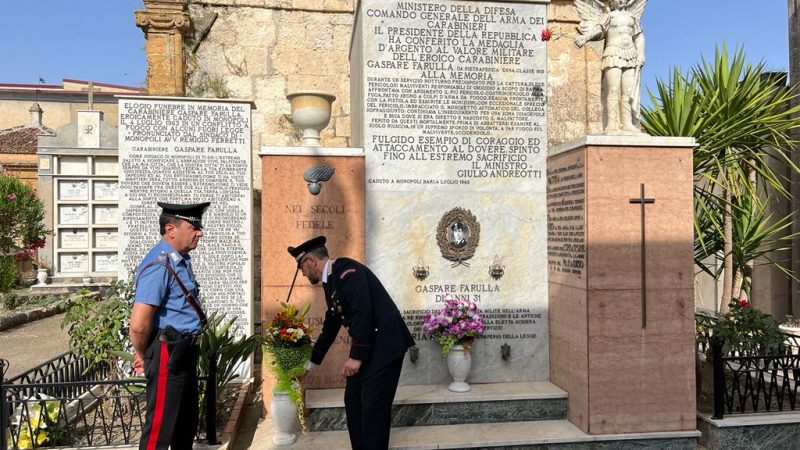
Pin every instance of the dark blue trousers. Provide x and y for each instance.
(368, 404)
(172, 397)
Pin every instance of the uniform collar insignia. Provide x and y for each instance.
(175, 257)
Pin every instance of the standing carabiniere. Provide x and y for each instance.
(166, 325)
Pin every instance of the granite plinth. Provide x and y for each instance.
(777, 431)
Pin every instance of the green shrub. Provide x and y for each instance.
(747, 330)
(98, 329)
(8, 273)
(22, 233)
(9, 300)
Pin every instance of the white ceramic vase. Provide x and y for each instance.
(284, 417)
(41, 276)
(459, 361)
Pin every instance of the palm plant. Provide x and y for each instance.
(741, 122)
(229, 349)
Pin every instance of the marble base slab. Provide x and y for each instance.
(538, 435)
(435, 405)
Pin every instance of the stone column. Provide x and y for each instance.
(794, 77)
(164, 23)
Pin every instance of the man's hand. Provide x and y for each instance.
(351, 367)
(138, 365)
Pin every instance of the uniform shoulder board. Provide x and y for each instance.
(345, 273)
(162, 258)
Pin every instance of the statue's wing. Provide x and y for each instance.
(591, 10)
(636, 8)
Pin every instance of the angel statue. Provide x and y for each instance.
(619, 23)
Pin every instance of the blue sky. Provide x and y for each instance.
(98, 40)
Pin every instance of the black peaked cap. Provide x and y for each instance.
(192, 213)
(311, 244)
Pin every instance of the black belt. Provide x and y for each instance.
(170, 334)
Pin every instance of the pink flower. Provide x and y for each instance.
(12, 196)
(546, 34)
(744, 303)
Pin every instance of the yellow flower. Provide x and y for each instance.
(36, 416)
(25, 442)
(53, 408)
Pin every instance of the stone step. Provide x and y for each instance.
(424, 405)
(534, 435)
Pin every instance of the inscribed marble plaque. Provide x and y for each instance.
(105, 262)
(105, 238)
(74, 238)
(73, 262)
(105, 215)
(73, 165)
(73, 190)
(190, 151)
(105, 190)
(566, 209)
(73, 215)
(104, 165)
(450, 107)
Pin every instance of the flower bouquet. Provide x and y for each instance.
(288, 340)
(457, 323)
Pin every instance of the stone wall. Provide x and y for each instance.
(260, 50)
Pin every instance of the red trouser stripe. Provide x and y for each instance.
(161, 394)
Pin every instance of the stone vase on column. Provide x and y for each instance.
(311, 112)
(284, 417)
(459, 362)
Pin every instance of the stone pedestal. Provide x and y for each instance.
(290, 215)
(164, 23)
(623, 374)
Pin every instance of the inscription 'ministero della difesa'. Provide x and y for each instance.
(456, 85)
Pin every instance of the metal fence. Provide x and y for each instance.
(66, 402)
(755, 384)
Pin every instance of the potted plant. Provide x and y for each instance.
(287, 340)
(41, 271)
(455, 326)
(747, 332)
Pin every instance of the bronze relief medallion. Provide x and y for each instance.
(458, 235)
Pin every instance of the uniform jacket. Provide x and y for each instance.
(356, 299)
(156, 286)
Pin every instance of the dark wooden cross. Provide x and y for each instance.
(643, 201)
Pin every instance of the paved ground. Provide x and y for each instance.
(251, 422)
(33, 343)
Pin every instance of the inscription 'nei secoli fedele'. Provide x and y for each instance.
(311, 218)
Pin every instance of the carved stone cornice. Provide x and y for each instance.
(163, 22)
